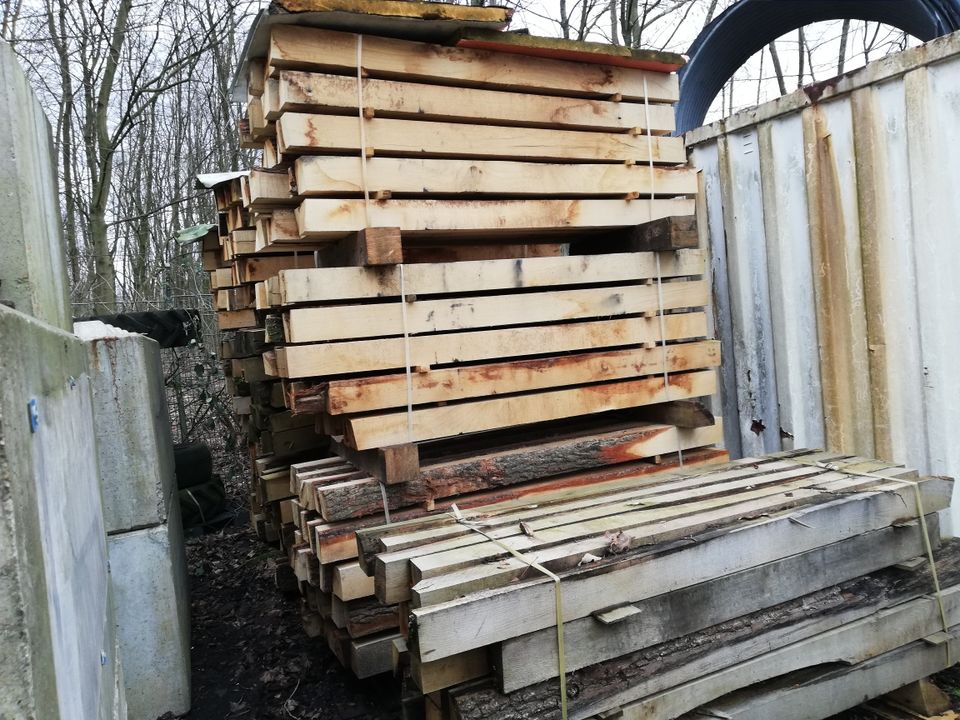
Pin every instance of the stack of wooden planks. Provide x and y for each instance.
(465, 320)
(677, 591)
(466, 272)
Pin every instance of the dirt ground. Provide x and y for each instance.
(252, 660)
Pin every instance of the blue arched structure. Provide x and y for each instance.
(749, 25)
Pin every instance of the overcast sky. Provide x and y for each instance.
(756, 81)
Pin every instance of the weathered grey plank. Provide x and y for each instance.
(495, 615)
(533, 657)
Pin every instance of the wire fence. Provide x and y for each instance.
(199, 405)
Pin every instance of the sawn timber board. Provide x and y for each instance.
(339, 358)
(302, 48)
(495, 615)
(337, 284)
(323, 219)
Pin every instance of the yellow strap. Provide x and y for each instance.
(561, 654)
(924, 531)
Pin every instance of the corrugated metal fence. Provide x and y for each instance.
(833, 220)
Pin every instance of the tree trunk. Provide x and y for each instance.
(844, 32)
(777, 68)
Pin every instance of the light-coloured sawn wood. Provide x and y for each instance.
(385, 354)
(268, 189)
(332, 219)
(420, 279)
(304, 133)
(381, 430)
(495, 615)
(341, 322)
(350, 582)
(318, 176)
(337, 94)
(357, 395)
(303, 48)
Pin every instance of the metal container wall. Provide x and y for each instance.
(832, 217)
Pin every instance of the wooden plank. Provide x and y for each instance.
(372, 656)
(512, 467)
(319, 176)
(390, 465)
(312, 49)
(306, 134)
(921, 697)
(395, 12)
(682, 413)
(337, 541)
(433, 676)
(830, 691)
(495, 615)
(668, 668)
(532, 658)
(550, 529)
(389, 353)
(385, 429)
(322, 219)
(269, 189)
(341, 322)
(364, 617)
(350, 582)
(501, 248)
(261, 268)
(347, 283)
(365, 394)
(336, 94)
(367, 247)
(671, 233)
(221, 278)
(561, 540)
(546, 496)
(580, 51)
(236, 319)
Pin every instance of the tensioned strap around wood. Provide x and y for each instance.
(653, 195)
(561, 653)
(362, 119)
(924, 531)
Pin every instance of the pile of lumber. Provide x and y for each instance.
(805, 569)
(466, 272)
(465, 322)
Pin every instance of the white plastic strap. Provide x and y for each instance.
(406, 354)
(660, 315)
(363, 133)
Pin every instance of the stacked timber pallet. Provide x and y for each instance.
(467, 273)
(676, 591)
